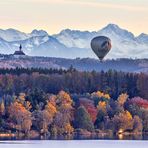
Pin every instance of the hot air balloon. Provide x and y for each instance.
(101, 45)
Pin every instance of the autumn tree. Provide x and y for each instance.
(103, 102)
(100, 96)
(144, 117)
(83, 120)
(2, 107)
(102, 113)
(64, 114)
(62, 124)
(143, 103)
(122, 99)
(44, 118)
(20, 116)
(90, 107)
(51, 108)
(123, 121)
(63, 98)
(137, 124)
(22, 99)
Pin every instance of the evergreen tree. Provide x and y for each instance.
(83, 120)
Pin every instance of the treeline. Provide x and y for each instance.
(37, 113)
(14, 81)
(19, 71)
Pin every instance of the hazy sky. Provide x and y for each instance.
(55, 15)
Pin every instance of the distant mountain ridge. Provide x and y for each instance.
(74, 43)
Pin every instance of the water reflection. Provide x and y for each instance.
(84, 137)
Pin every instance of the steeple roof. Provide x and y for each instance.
(19, 52)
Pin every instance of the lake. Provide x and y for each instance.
(75, 144)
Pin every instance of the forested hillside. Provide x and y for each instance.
(81, 64)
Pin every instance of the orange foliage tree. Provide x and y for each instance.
(20, 116)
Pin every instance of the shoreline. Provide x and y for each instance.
(81, 135)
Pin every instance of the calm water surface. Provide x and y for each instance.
(75, 144)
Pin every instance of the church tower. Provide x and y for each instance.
(19, 53)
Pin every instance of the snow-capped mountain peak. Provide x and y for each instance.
(75, 38)
(36, 32)
(12, 35)
(111, 27)
(115, 30)
(143, 38)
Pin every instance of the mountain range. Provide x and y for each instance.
(74, 43)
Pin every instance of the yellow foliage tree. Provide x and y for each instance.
(21, 99)
(122, 99)
(128, 114)
(107, 96)
(123, 121)
(2, 107)
(46, 117)
(64, 98)
(64, 113)
(51, 108)
(100, 94)
(68, 128)
(46, 120)
(101, 105)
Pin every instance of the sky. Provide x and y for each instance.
(55, 15)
